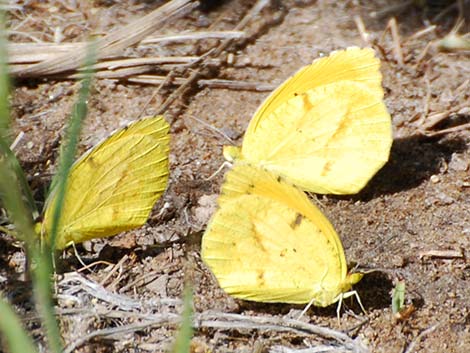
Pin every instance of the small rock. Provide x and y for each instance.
(159, 285)
(206, 208)
(459, 163)
(435, 179)
(398, 261)
(444, 199)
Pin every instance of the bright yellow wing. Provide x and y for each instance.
(326, 129)
(113, 187)
(331, 139)
(267, 242)
(353, 64)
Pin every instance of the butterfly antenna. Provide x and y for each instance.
(213, 129)
(225, 164)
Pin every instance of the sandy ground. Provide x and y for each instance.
(410, 223)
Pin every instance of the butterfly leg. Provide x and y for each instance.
(213, 175)
(77, 255)
(347, 295)
(305, 309)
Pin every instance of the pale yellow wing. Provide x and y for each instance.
(330, 139)
(267, 242)
(113, 187)
(353, 64)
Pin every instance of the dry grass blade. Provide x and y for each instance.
(32, 53)
(226, 321)
(144, 314)
(237, 85)
(195, 36)
(112, 43)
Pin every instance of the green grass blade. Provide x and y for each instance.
(12, 200)
(5, 119)
(183, 338)
(19, 214)
(20, 177)
(71, 141)
(12, 188)
(15, 337)
(4, 83)
(398, 297)
(43, 289)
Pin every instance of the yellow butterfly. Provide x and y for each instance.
(267, 242)
(325, 129)
(113, 187)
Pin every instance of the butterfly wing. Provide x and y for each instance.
(353, 64)
(326, 129)
(330, 139)
(113, 187)
(267, 242)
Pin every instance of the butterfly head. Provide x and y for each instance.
(231, 153)
(350, 280)
(38, 228)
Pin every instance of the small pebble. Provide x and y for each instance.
(435, 179)
(459, 163)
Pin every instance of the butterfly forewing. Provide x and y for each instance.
(331, 139)
(113, 187)
(353, 64)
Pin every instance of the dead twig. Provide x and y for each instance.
(31, 53)
(96, 290)
(442, 254)
(112, 43)
(162, 320)
(184, 37)
(237, 85)
(228, 322)
(413, 344)
(214, 53)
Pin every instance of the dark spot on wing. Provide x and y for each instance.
(297, 221)
(261, 278)
(307, 103)
(259, 241)
(326, 169)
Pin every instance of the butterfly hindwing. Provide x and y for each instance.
(268, 243)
